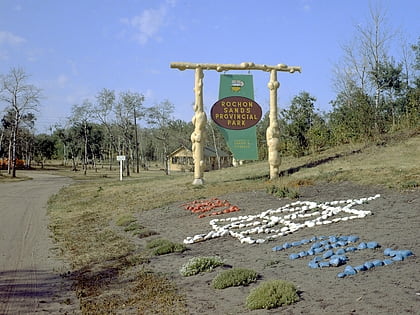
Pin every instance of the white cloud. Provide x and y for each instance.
(147, 24)
(62, 80)
(9, 38)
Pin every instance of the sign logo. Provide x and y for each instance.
(236, 112)
(237, 85)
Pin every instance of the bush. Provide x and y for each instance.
(161, 247)
(200, 264)
(283, 192)
(125, 220)
(272, 294)
(234, 277)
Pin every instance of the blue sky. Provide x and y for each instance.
(73, 49)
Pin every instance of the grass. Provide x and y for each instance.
(83, 216)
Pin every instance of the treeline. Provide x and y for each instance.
(376, 94)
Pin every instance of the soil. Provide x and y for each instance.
(392, 289)
(30, 281)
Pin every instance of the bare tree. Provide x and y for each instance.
(364, 60)
(81, 116)
(127, 110)
(159, 117)
(105, 103)
(21, 100)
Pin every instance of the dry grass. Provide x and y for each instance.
(84, 216)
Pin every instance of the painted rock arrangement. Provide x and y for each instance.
(332, 251)
(210, 207)
(271, 224)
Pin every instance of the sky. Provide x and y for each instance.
(72, 49)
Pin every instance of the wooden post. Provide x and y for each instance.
(273, 130)
(199, 121)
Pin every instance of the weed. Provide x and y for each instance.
(272, 294)
(125, 220)
(143, 233)
(162, 246)
(133, 226)
(234, 277)
(200, 264)
(410, 184)
(283, 192)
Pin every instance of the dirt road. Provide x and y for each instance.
(30, 281)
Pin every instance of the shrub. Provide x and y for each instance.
(283, 192)
(161, 247)
(272, 294)
(234, 277)
(200, 264)
(133, 226)
(143, 233)
(125, 220)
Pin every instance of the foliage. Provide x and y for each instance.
(234, 277)
(200, 264)
(125, 220)
(282, 192)
(162, 246)
(272, 294)
(304, 127)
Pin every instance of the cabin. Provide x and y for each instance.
(182, 159)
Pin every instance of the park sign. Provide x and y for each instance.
(236, 112)
(236, 115)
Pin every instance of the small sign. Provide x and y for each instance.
(236, 112)
(120, 157)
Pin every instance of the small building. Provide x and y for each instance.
(182, 159)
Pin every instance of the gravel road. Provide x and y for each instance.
(30, 281)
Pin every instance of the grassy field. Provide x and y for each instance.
(86, 217)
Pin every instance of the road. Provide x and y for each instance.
(30, 281)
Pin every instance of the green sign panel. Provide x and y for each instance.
(243, 142)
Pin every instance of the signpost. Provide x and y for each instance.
(236, 113)
(199, 120)
(121, 159)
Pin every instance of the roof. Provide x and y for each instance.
(208, 151)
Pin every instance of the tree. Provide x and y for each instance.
(81, 117)
(159, 117)
(21, 100)
(352, 117)
(366, 63)
(128, 110)
(299, 119)
(44, 148)
(105, 103)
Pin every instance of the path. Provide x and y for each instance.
(30, 281)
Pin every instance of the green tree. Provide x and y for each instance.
(44, 148)
(299, 119)
(352, 118)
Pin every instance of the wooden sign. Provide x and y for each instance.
(236, 112)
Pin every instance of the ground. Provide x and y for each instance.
(31, 282)
(389, 289)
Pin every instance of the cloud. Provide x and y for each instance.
(147, 24)
(9, 38)
(62, 80)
